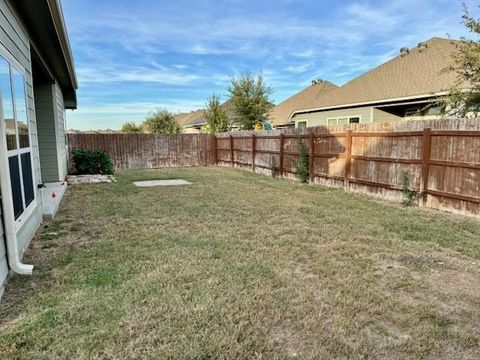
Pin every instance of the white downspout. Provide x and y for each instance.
(9, 217)
(10, 230)
(11, 233)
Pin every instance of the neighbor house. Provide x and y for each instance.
(37, 84)
(280, 116)
(195, 121)
(405, 88)
(187, 121)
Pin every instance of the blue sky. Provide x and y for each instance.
(134, 56)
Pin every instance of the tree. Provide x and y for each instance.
(461, 102)
(249, 96)
(161, 121)
(215, 115)
(131, 128)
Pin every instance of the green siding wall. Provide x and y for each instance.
(45, 106)
(61, 140)
(383, 116)
(51, 132)
(321, 118)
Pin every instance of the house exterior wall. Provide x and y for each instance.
(50, 110)
(60, 134)
(45, 110)
(321, 118)
(367, 114)
(381, 116)
(15, 46)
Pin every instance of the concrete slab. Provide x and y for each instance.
(90, 179)
(52, 195)
(153, 183)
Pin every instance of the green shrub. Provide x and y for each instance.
(274, 167)
(409, 196)
(86, 162)
(302, 164)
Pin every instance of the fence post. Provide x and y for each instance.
(311, 158)
(280, 165)
(231, 151)
(348, 159)
(426, 153)
(215, 149)
(254, 151)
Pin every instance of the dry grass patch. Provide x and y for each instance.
(244, 266)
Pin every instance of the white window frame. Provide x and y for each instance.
(4, 160)
(344, 117)
(302, 121)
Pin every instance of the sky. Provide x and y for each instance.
(134, 56)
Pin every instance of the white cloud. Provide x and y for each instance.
(134, 74)
(195, 46)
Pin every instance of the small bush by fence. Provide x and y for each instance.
(439, 160)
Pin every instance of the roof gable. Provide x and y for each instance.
(306, 98)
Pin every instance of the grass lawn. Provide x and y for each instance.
(239, 266)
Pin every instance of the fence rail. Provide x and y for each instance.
(442, 158)
(443, 166)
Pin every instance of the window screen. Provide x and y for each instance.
(27, 179)
(16, 186)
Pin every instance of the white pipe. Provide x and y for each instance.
(10, 230)
(9, 216)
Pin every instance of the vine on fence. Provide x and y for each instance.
(274, 167)
(409, 195)
(302, 164)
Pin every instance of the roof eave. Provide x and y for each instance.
(45, 24)
(61, 29)
(367, 103)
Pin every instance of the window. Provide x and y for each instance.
(302, 124)
(344, 120)
(15, 119)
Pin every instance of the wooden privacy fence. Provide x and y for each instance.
(149, 151)
(442, 165)
(441, 158)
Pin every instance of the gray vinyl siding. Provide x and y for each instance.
(45, 108)
(51, 132)
(321, 117)
(15, 39)
(60, 133)
(383, 116)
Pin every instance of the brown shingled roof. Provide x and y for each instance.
(307, 98)
(186, 119)
(416, 74)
